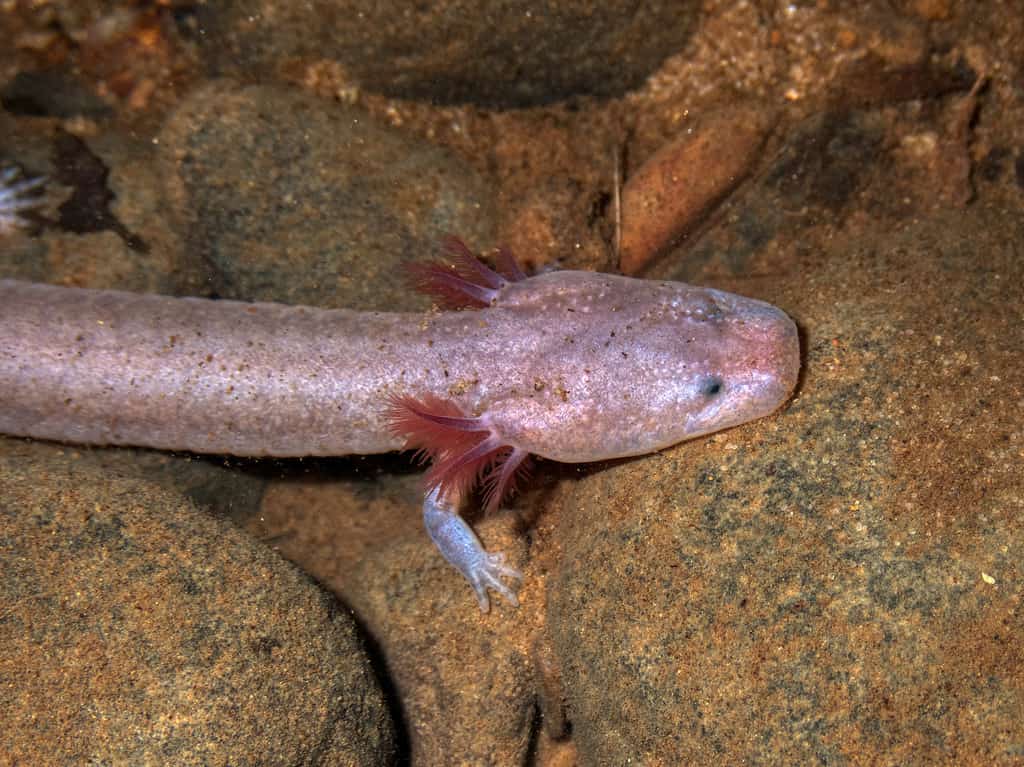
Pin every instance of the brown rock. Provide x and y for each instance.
(840, 583)
(671, 192)
(506, 53)
(285, 197)
(464, 678)
(138, 630)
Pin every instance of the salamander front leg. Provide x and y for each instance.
(458, 544)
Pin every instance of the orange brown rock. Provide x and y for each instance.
(682, 181)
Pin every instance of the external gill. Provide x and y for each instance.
(463, 450)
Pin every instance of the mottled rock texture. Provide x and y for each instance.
(510, 53)
(137, 629)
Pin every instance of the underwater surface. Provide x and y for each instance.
(839, 582)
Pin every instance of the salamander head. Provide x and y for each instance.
(587, 367)
(654, 364)
(747, 368)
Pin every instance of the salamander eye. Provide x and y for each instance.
(711, 386)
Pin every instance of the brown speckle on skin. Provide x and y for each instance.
(462, 386)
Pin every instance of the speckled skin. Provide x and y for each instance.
(572, 366)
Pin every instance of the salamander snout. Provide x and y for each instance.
(755, 367)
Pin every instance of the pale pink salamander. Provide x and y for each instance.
(571, 366)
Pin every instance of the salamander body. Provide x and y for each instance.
(570, 366)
